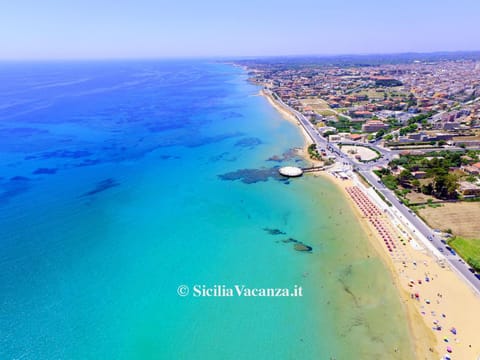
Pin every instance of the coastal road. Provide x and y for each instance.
(417, 225)
(431, 239)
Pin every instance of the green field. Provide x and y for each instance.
(468, 249)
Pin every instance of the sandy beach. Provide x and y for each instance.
(287, 116)
(441, 308)
(444, 303)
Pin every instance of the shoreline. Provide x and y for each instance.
(422, 338)
(442, 300)
(287, 116)
(292, 119)
(446, 296)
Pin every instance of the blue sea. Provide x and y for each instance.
(122, 180)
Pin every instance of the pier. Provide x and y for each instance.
(313, 169)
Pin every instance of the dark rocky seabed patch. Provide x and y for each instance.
(274, 231)
(297, 244)
(249, 142)
(102, 186)
(48, 171)
(287, 155)
(12, 187)
(251, 176)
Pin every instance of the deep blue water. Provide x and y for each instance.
(120, 181)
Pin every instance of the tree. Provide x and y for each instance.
(405, 176)
(412, 100)
(445, 186)
(475, 263)
(427, 189)
(415, 183)
(380, 133)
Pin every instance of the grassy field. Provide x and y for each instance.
(326, 112)
(372, 94)
(315, 104)
(469, 249)
(415, 197)
(461, 217)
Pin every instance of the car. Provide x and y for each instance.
(471, 270)
(443, 242)
(477, 276)
(450, 250)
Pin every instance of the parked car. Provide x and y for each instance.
(451, 250)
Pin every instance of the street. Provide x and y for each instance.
(430, 239)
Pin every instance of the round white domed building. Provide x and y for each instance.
(290, 171)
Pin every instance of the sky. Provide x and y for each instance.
(91, 29)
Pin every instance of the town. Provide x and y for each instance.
(411, 128)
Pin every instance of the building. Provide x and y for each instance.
(374, 126)
(468, 189)
(419, 174)
(469, 169)
(355, 137)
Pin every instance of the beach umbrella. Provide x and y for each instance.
(449, 349)
(454, 331)
(445, 339)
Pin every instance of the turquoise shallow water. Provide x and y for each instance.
(122, 181)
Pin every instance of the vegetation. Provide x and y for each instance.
(420, 118)
(344, 124)
(437, 178)
(380, 133)
(469, 249)
(364, 181)
(313, 152)
(382, 197)
(408, 129)
(389, 180)
(326, 134)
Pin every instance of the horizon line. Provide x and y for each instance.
(235, 57)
